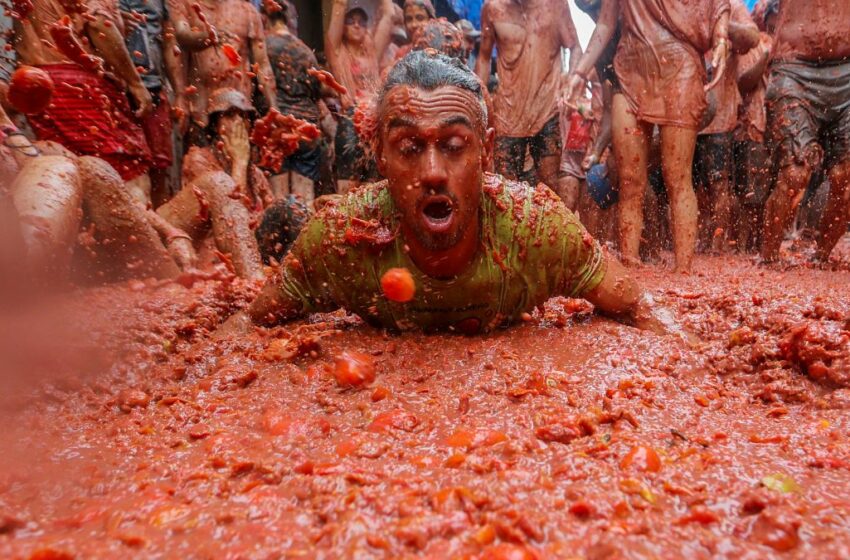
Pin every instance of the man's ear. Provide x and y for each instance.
(488, 148)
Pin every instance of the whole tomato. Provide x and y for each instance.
(30, 90)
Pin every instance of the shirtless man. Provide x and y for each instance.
(529, 35)
(225, 46)
(483, 251)
(354, 55)
(662, 81)
(808, 115)
(223, 193)
(90, 114)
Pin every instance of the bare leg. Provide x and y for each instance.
(140, 188)
(833, 225)
(722, 205)
(790, 187)
(548, 171)
(302, 187)
(280, 185)
(47, 195)
(207, 200)
(631, 147)
(128, 246)
(568, 188)
(677, 156)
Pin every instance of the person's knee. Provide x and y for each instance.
(794, 178)
(839, 176)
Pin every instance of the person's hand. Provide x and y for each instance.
(237, 143)
(651, 316)
(182, 250)
(180, 114)
(718, 62)
(238, 323)
(143, 99)
(573, 90)
(589, 161)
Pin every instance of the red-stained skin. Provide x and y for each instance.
(432, 147)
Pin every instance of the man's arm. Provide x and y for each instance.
(569, 37)
(488, 39)
(335, 32)
(175, 71)
(265, 75)
(620, 297)
(383, 30)
(606, 25)
(720, 49)
(109, 44)
(603, 136)
(753, 65)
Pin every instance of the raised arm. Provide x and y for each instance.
(488, 39)
(335, 32)
(383, 29)
(606, 25)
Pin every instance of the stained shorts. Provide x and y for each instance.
(808, 112)
(713, 158)
(351, 162)
(510, 151)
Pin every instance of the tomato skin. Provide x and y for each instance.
(30, 90)
(232, 54)
(397, 285)
(354, 369)
(641, 458)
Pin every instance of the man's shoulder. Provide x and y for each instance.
(362, 217)
(505, 193)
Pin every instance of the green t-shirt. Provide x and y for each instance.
(532, 248)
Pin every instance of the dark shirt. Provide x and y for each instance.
(144, 39)
(298, 93)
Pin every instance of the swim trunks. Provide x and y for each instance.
(510, 151)
(91, 116)
(808, 111)
(532, 249)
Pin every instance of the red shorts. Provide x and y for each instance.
(90, 116)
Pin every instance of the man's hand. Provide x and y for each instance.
(573, 90)
(718, 62)
(237, 144)
(143, 99)
(650, 316)
(183, 252)
(589, 161)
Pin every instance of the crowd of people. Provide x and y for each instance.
(695, 124)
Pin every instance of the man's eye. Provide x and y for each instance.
(408, 147)
(456, 144)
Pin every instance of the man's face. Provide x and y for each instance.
(433, 148)
(414, 18)
(355, 28)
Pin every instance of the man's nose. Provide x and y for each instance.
(434, 173)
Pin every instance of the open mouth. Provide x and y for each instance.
(437, 212)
